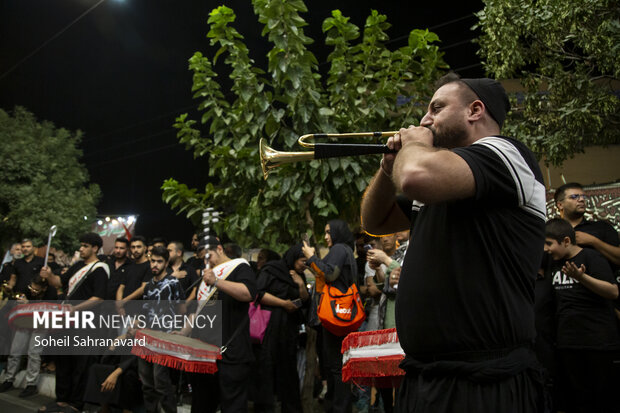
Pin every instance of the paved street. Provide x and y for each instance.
(10, 403)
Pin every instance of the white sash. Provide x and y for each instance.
(221, 271)
(77, 277)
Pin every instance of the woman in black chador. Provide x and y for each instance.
(282, 290)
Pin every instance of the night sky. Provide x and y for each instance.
(119, 74)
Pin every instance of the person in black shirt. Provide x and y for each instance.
(26, 268)
(85, 282)
(166, 291)
(136, 276)
(465, 302)
(119, 264)
(181, 271)
(15, 253)
(236, 288)
(281, 290)
(24, 342)
(570, 200)
(587, 332)
(338, 269)
(197, 261)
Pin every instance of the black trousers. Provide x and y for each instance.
(338, 397)
(590, 381)
(276, 373)
(157, 387)
(451, 394)
(227, 388)
(71, 375)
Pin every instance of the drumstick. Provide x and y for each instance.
(51, 234)
(208, 216)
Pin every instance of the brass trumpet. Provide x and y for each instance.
(270, 158)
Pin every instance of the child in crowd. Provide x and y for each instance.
(587, 332)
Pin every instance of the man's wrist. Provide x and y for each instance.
(215, 282)
(384, 170)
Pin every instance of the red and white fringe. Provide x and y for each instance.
(372, 357)
(199, 359)
(208, 367)
(22, 315)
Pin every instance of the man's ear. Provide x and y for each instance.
(566, 242)
(476, 110)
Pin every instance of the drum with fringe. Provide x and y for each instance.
(371, 358)
(177, 351)
(22, 315)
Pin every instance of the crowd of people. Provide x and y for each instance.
(497, 306)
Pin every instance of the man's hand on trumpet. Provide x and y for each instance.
(413, 134)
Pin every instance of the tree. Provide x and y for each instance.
(42, 182)
(290, 98)
(565, 52)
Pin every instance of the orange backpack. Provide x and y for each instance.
(341, 313)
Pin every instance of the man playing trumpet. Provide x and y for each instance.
(465, 306)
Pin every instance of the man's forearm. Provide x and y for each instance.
(236, 290)
(91, 302)
(135, 294)
(431, 175)
(612, 253)
(119, 292)
(380, 213)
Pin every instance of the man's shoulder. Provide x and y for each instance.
(36, 260)
(602, 224)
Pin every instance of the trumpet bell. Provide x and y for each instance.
(270, 158)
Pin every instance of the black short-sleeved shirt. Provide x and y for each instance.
(599, 229)
(468, 277)
(26, 271)
(604, 231)
(135, 275)
(117, 275)
(94, 285)
(235, 314)
(189, 279)
(585, 320)
(196, 263)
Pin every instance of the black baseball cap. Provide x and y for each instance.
(209, 241)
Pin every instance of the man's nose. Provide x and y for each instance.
(426, 120)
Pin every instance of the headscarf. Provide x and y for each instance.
(340, 233)
(293, 254)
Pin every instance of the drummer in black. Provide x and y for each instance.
(85, 282)
(229, 386)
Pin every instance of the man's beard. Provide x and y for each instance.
(157, 273)
(451, 136)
